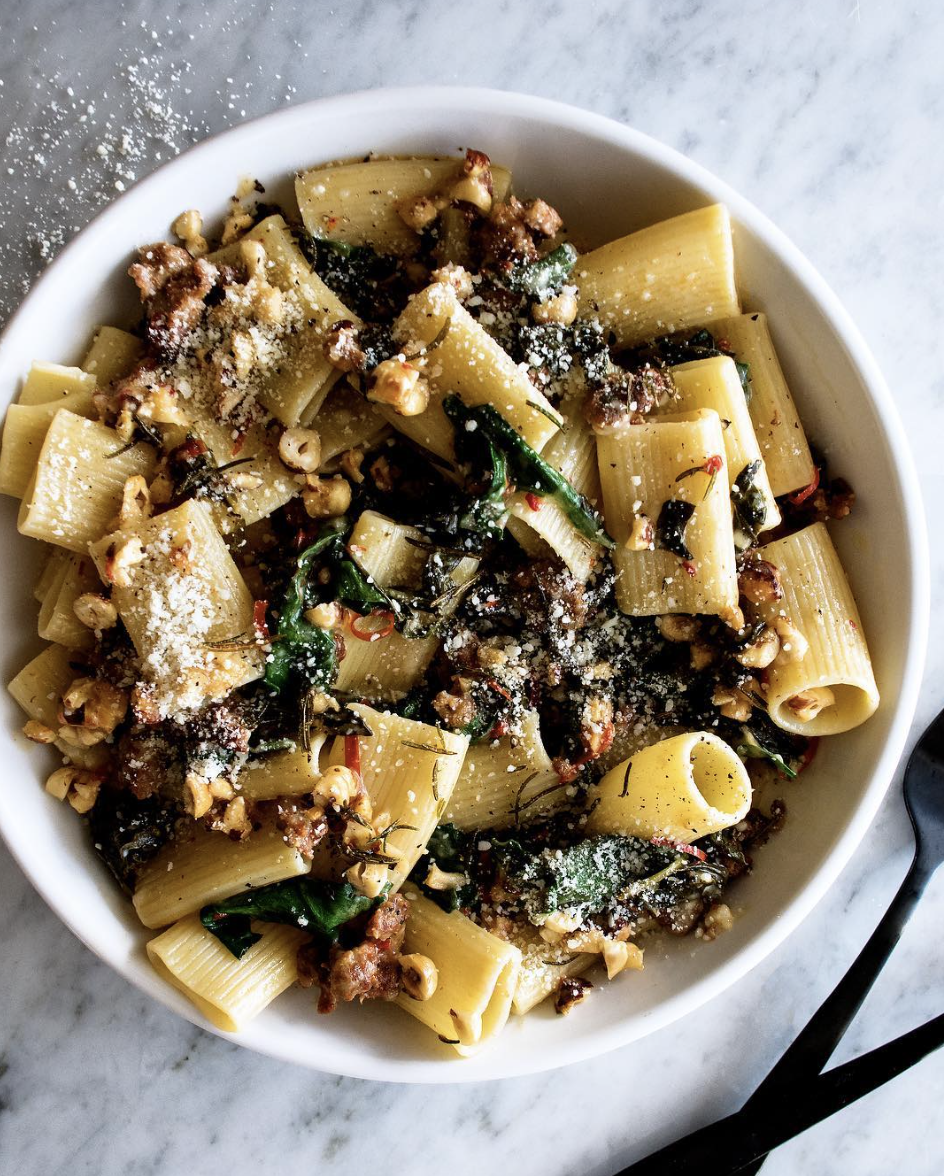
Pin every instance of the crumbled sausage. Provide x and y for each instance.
(174, 287)
(366, 972)
(542, 219)
(303, 829)
(387, 925)
(455, 709)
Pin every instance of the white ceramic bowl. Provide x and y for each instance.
(606, 180)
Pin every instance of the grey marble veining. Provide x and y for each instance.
(830, 116)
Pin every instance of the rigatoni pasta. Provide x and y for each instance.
(424, 601)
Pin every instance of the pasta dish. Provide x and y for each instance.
(428, 600)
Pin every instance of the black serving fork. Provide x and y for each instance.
(795, 1095)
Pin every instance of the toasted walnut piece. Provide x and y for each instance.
(419, 212)
(342, 349)
(808, 703)
(337, 785)
(38, 732)
(236, 822)
(120, 560)
(571, 992)
(761, 652)
(542, 218)
(135, 503)
(399, 385)
(162, 406)
(179, 556)
(238, 220)
(300, 449)
(80, 736)
(325, 616)
(189, 228)
(619, 956)
(456, 276)
(557, 925)
(221, 789)
(702, 655)
(94, 704)
(642, 536)
(678, 627)
(419, 977)
(199, 798)
(368, 877)
(561, 308)
(326, 498)
(474, 185)
(793, 645)
(437, 879)
(351, 462)
(759, 582)
(718, 919)
(144, 704)
(732, 703)
(79, 787)
(732, 617)
(596, 726)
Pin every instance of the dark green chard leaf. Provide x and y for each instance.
(673, 349)
(752, 748)
(487, 512)
(310, 904)
(750, 506)
(452, 851)
(546, 275)
(587, 875)
(352, 588)
(299, 645)
(526, 468)
(674, 517)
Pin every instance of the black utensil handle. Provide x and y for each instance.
(806, 1056)
(817, 1041)
(742, 1138)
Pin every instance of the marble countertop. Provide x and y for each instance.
(830, 116)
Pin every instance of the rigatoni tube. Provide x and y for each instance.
(681, 788)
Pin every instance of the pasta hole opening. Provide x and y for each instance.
(711, 776)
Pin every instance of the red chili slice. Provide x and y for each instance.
(352, 754)
(800, 496)
(533, 500)
(499, 689)
(259, 620)
(681, 846)
(372, 634)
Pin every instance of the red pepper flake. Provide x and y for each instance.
(380, 614)
(682, 847)
(499, 689)
(259, 621)
(690, 567)
(808, 756)
(500, 729)
(714, 464)
(533, 500)
(352, 754)
(853, 624)
(800, 496)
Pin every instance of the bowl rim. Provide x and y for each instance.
(567, 1049)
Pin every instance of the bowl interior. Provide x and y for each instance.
(606, 180)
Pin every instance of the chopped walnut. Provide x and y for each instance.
(94, 705)
(79, 787)
(351, 462)
(762, 651)
(718, 919)
(455, 710)
(419, 976)
(793, 645)
(174, 287)
(399, 385)
(38, 732)
(571, 992)
(121, 558)
(135, 503)
(300, 449)
(342, 349)
(326, 498)
(189, 228)
(806, 705)
(759, 581)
